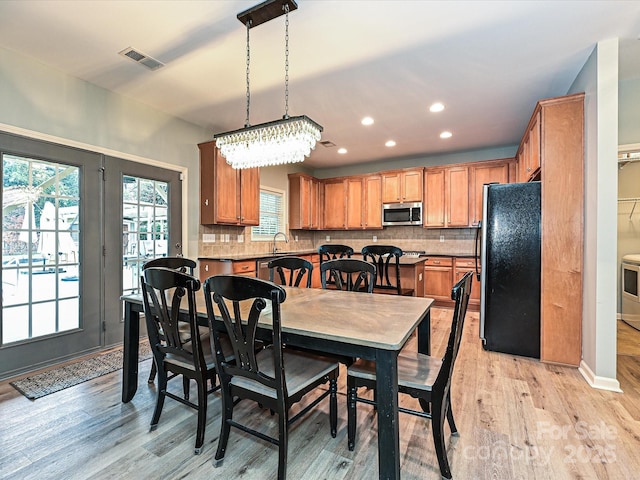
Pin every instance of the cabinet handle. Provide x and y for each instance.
(436, 262)
(206, 268)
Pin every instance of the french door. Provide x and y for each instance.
(76, 228)
(51, 253)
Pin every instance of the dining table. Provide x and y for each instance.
(352, 324)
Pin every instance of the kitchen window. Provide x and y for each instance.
(271, 215)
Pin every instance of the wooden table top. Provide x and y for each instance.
(371, 320)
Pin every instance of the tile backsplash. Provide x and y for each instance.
(454, 240)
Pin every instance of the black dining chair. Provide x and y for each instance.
(184, 265)
(349, 274)
(333, 251)
(165, 292)
(274, 377)
(290, 271)
(421, 376)
(386, 258)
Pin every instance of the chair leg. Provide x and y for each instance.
(452, 424)
(152, 373)
(351, 412)
(185, 387)
(225, 428)
(437, 427)
(202, 413)
(162, 389)
(333, 406)
(283, 443)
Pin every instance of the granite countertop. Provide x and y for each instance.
(407, 260)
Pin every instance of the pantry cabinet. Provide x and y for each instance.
(228, 196)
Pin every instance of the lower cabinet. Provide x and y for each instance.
(209, 268)
(441, 273)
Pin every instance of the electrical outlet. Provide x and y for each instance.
(209, 237)
(327, 238)
(375, 238)
(227, 237)
(442, 238)
(240, 238)
(296, 237)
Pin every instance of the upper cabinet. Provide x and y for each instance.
(446, 199)
(364, 205)
(399, 186)
(528, 157)
(227, 196)
(304, 202)
(335, 204)
(480, 174)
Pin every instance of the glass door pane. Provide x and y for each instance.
(40, 231)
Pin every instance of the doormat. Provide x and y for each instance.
(51, 381)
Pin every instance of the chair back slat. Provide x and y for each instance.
(349, 274)
(291, 271)
(165, 292)
(241, 291)
(384, 257)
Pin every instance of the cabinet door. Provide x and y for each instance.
(335, 205)
(434, 196)
(226, 191)
(438, 282)
(411, 186)
(391, 187)
(457, 197)
(481, 175)
(207, 172)
(373, 201)
(534, 147)
(354, 202)
(250, 196)
(315, 189)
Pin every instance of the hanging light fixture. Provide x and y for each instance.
(287, 140)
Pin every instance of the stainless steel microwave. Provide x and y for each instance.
(402, 214)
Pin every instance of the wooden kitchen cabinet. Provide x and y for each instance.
(438, 279)
(529, 152)
(364, 207)
(209, 268)
(400, 186)
(463, 265)
(335, 204)
(446, 197)
(227, 196)
(482, 173)
(304, 202)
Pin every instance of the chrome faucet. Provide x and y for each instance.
(286, 239)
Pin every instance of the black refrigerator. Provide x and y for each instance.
(510, 269)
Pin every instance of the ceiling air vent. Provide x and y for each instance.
(328, 144)
(141, 58)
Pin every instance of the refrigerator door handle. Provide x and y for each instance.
(476, 250)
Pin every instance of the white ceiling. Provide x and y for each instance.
(488, 62)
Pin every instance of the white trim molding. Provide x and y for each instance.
(603, 383)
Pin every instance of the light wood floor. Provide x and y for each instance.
(518, 419)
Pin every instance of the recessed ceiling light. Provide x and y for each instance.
(367, 121)
(342, 151)
(390, 143)
(436, 107)
(446, 135)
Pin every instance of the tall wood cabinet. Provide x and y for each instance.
(227, 196)
(446, 199)
(335, 204)
(561, 125)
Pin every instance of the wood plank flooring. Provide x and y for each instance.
(517, 418)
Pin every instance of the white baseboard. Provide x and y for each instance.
(603, 383)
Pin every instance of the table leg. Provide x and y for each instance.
(387, 404)
(130, 352)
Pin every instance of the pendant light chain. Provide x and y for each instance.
(286, 61)
(246, 123)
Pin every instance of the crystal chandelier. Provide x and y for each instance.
(287, 140)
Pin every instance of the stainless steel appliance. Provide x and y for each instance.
(402, 214)
(510, 269)
(630, 292)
